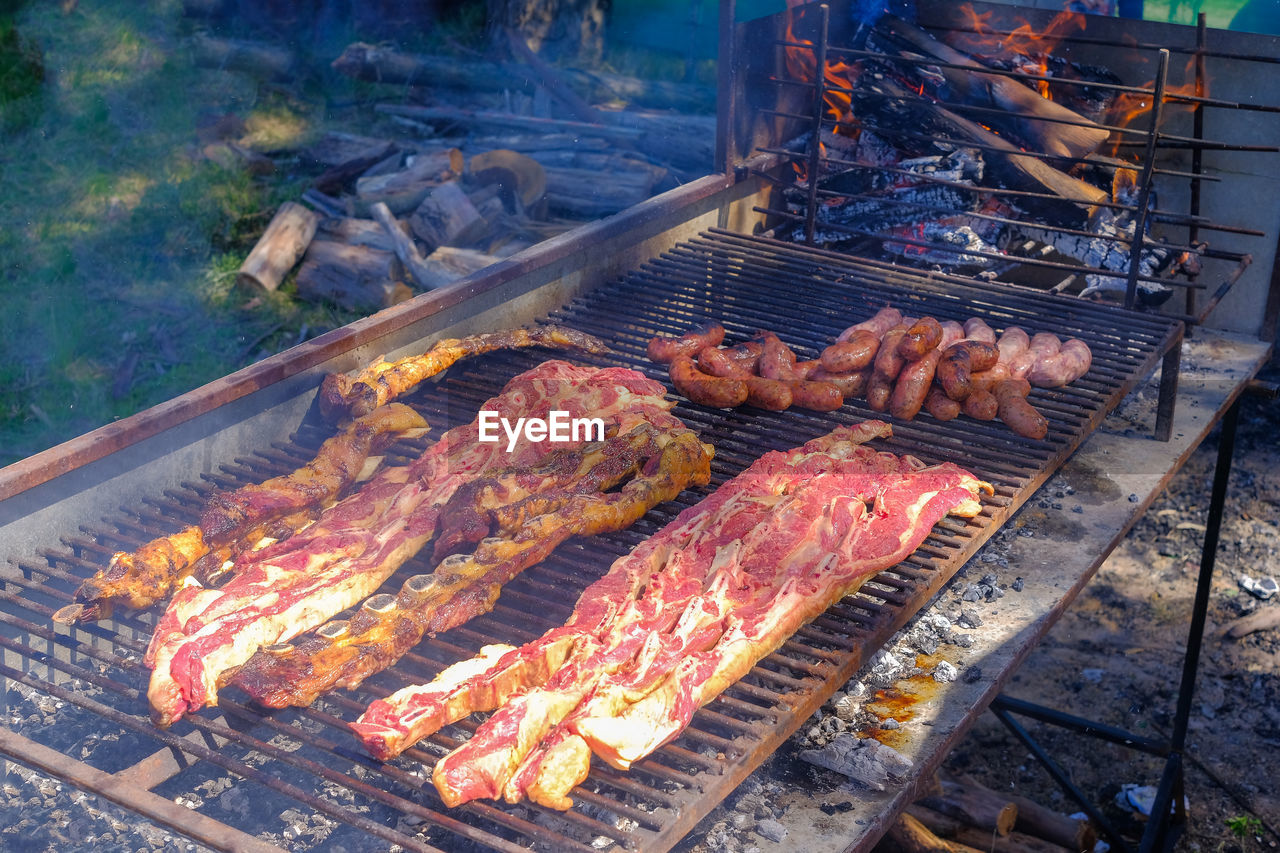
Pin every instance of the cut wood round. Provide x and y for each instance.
(516, 172)
(980, 807)
(281, 245)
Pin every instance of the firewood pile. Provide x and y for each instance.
(474, 161)
(961, 816)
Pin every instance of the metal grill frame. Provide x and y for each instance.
(744, 282)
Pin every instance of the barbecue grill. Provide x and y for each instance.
(661, 268)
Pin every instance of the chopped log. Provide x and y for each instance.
(404, 190)
(447, 264)
(355, 232)
(256, 58)
(281, 245)
(1059, 829)
(336, 178)
(505, 121)
(404, 247)
(1041, 122)
(517, 173)
(590, 194)
(384, 65)
(958, 831)
(909, 835)
(980, 807)
(356, 278)
(447, 216)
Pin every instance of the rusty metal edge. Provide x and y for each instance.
(192, 824)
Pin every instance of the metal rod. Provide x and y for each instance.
(819, 106)
(1197, 154)
(1023, 708)
(1144, 185)
(1063, 780)
(1168, 798)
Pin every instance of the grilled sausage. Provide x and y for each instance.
(707, 390)
(851, 385)
(888, 362)
(1015, 412)
(922, 337)
(817, 396)
(1068, 364)
(884, 320)
(1013, 343)
(942, 407)
(806, 369)
(975, 328)
(853, 353)
(664, 350)
(951, 332)
(772, 394)
(981, 405)
(960, 362)
(879, 390)
(718, 362)
(777, 361)
(1041, 345)
(984, 379)
(912, 386)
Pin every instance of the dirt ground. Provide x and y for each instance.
(1116, 658)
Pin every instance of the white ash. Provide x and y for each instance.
(772, 830)
(945, 672)
(864, 760)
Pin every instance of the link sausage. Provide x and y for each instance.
(1013, 343)
(851, 385)
(777, 361)
(922, 337)
(771, 394)
(1016, 413)
(884, 320)
(942, 407)
(913, 386)
(816, 396)
(853, 353)
(879, 390)
(1068, 364)
(961, 361)
(981, 405)
(707, 390)
(718, 362)
(975, 328)
(888, 362)
(664, 350)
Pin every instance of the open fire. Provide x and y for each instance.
(983, 151)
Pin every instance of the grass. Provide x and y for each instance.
(118, 239)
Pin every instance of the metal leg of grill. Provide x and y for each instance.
(1167, 811)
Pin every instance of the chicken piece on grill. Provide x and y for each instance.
(343, 396)
(685, 614)
(231, 519)
(293, 586)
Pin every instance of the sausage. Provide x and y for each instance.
(817, 396)
(1068, 364)
(981, 405)
(777, 361)
(1042, 345)
(718, 362)
(1013, 343)
(984, 379)
(1015, 412)
(976, 328)
(771, 394)
(851, 385)
(888, 362)
(879, 390)
(806, 369)
(746, 353)
(961, 361)
(922, 337)
(853, 353)
(942, 407)
(951, 332)
(664, 350)
(884, 320)
(707, 390)
(913, 386)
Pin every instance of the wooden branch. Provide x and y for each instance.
(404, 247)
(281, 245)
(1026, 109)
(909, 835)
(975, 806)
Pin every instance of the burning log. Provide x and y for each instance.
(908, 112)
(1043, 124)
(281, 245)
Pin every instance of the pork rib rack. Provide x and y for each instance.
(673, 623)
(292, 586)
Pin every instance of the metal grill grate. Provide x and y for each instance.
(308, 756)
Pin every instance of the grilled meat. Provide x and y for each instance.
(685, 614)
(344, 396)
(155, 570)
